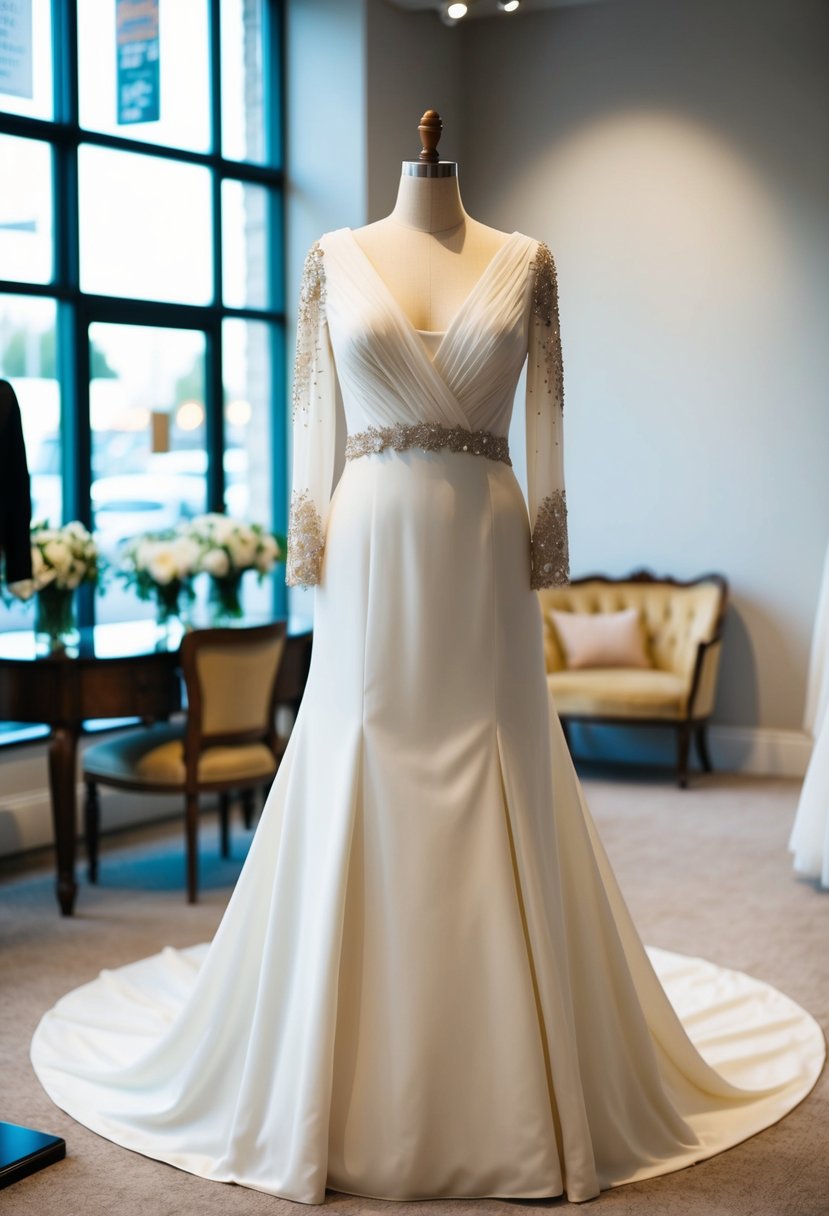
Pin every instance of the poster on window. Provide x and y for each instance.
(137, 51)
(16, 47)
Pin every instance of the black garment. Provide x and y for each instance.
(15, 499)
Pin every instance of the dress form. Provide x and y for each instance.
(439, 991)
(429, 252)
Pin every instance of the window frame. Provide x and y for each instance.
(77, 310)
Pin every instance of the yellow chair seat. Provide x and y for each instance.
(155, 757)
(619, 692)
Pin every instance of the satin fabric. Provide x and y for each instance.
(809, 841)
(426, 982)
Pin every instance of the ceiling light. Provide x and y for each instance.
(508, 6)
(456, 11)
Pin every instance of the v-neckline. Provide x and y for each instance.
(397, 308)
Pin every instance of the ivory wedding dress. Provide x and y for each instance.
(809, 841)
(426, 982)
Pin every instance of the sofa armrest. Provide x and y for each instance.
(704, 680)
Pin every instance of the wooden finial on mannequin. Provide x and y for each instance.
(429, 129)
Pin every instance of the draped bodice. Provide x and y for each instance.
(450, 393)
(388, 375)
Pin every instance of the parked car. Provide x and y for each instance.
(133, 503)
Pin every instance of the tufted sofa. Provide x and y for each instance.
(682, 626)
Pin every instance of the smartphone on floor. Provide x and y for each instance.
(24, 1151)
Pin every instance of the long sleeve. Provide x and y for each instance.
(314, 429)
(550, 554)
(15, 499)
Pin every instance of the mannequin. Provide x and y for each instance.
(426, 983)
(429, 252)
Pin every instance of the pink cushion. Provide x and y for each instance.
(602, 639)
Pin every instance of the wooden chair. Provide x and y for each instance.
(227, 743)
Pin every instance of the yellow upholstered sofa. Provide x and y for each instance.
(681, 623)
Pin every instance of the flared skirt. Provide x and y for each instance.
(426, 982)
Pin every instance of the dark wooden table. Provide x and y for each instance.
(124, 670)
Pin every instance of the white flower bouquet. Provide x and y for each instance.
(160, 566)
(228, 548)
(62, 558)
(231, 546)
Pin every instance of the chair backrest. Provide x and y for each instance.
(677, 616)
(230, 676)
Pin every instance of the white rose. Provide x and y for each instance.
(216, 562)
(58, 555)
(46, 576)
(161, 566)
(185, 553)
(222, 529)
(142, 554)
(23, 590)
(242, 546)
(268, 553)
(77, 530)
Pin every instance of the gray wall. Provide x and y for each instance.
(414, 64)
(673, 154)
(325, 135)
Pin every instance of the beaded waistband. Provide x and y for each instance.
(431, 437)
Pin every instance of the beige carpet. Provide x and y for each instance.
(705, 871)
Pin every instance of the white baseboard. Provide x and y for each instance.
(25, 822)
(26, 817)
(26, 812)
(760, 750)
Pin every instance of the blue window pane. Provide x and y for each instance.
(243, 80)
(25, 210)
(250, 216)
(146, 227)
(148, 440)
(37, 102)
(184, 78)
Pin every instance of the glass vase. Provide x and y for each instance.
(55, 625)
(226, 599)
(168, 611)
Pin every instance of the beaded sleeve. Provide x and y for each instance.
(549, 550)
(314, 428)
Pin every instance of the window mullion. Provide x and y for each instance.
(214, 377)
(65, 149)
(214, 418)
(273, 77)
(76, 429)
(65, 60)
(72, 335)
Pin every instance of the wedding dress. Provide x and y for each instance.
(426, 982)
(809, 841)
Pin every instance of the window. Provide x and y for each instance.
(141, 292)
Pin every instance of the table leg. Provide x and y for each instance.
(63, 751)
